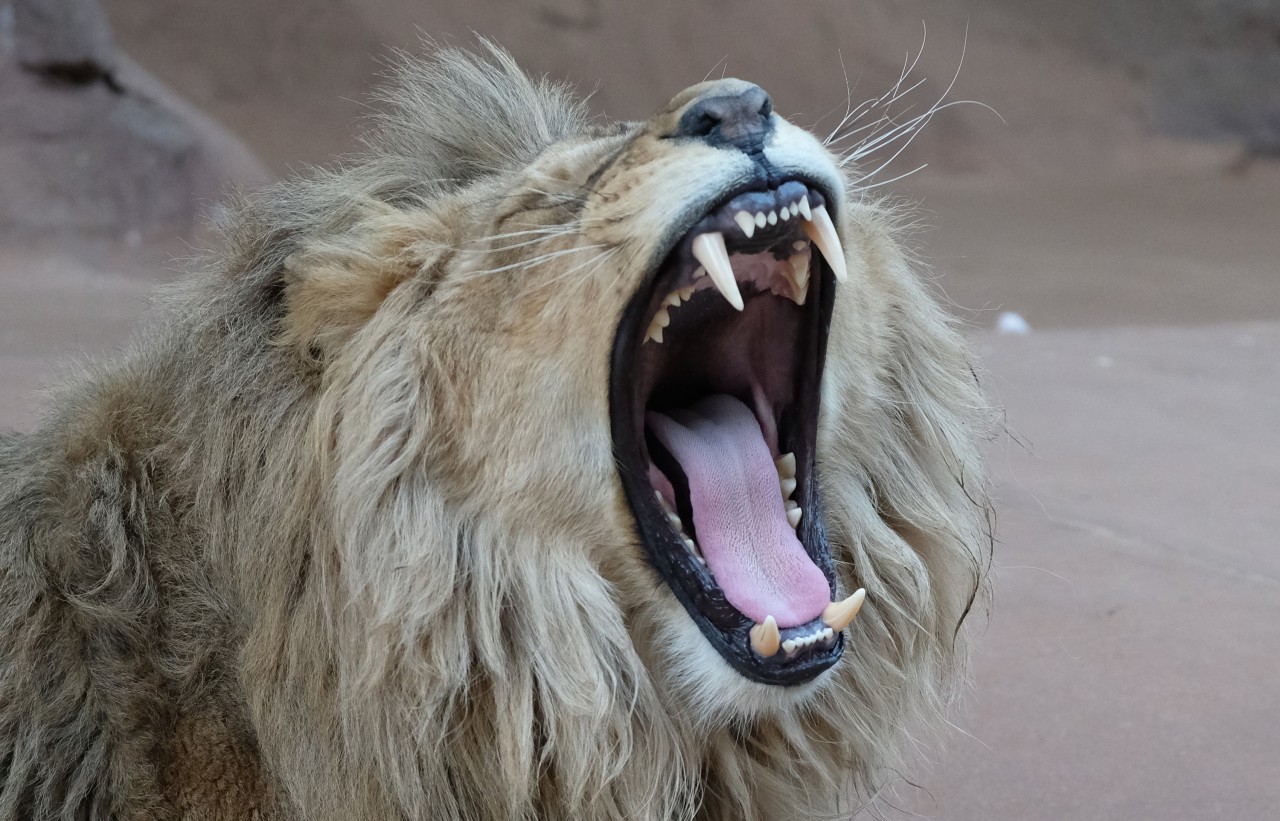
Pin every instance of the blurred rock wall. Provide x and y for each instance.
(1208, 69)
(88, 141)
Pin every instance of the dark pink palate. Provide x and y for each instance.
(738, 511)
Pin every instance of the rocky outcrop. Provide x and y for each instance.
(89, 141)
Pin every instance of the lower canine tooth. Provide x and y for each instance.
(709, 249)
(838, 615)
(765, 637)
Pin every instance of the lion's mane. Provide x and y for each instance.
(286, 555)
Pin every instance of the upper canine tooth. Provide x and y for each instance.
(746, 222)
(709, 249)
(803, 203)
(823, 233)
(799, 262)
(765, 638)
(786, 464)
(802, 293)
(838, 615)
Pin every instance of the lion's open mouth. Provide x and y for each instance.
(716, 372)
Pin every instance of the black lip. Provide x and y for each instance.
(723, 625)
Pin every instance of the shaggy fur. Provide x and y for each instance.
(341, 536)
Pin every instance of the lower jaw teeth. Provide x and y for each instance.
(822, 636)
(766, 637)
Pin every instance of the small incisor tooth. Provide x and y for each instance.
(788, 486)
(765, 638)
(786, 465)
(662, 318)
(793, 517)
(746, 222)
(823, 233)
(709, 249)
(838, 615)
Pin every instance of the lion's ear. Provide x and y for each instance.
(335, 283)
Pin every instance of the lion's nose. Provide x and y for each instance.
(738, 118)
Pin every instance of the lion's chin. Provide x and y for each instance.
(715, 390)
(707, 690)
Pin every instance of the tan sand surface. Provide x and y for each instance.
(1129, 670)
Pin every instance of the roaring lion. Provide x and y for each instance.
(526, 466)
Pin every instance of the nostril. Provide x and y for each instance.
(740, 120)
(700, 126)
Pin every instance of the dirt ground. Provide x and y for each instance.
(1128, 667)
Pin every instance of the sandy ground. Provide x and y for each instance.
(1129, 670)
(1129, 667)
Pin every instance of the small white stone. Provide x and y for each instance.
(1011, 323)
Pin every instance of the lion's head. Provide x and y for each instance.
(592, 432)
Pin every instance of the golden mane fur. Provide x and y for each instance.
(341, 535)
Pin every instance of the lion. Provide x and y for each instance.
(524, 466)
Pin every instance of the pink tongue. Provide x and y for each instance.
(738, 511)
